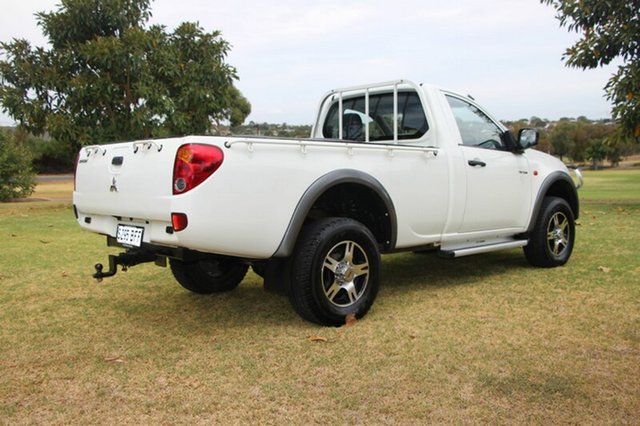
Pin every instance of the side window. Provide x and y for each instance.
(412, 122)
(475, 127)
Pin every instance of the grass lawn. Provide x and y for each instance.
(484, 339)
(611, 185)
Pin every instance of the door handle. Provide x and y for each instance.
(476, 163)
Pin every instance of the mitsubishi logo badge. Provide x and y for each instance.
(113, 187)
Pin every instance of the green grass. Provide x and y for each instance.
(611, 185)
(484, 339)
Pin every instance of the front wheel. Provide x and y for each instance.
(212, 275)
(551, 241)
(335, 271)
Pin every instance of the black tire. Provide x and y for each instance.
(335, 271)
(213, 275)
(552, 239)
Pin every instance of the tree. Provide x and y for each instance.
(597, 151)
(610, 29)
(560, 138)
(537, 122)
(16, 174)
(580, 138)
(107, 77)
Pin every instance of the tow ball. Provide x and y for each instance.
(126, 259)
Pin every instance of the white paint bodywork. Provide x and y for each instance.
(246, 206)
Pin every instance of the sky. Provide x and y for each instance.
(507, 54)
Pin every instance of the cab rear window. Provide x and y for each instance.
(412, 122)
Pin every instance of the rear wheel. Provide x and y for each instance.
(212, 275)
(551, 241)
(335, 271)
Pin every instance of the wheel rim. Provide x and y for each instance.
(345, 274)
(558, 234)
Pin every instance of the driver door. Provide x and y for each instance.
(497, 180)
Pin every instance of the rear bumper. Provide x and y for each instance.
(158, 232)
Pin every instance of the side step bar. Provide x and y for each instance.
(483, 249)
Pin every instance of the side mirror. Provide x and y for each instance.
(527, 138)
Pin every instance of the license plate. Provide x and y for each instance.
(129, 235)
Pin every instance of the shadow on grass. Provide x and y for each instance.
(427, 269)
(175, 308)
(249, 304)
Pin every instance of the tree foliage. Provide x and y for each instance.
(561, 139)
(107, 77)
(583, 139)
(610, 30)
(597, 151)
(579, 139)
(16, 174)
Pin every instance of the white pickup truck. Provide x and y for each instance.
(389, 167)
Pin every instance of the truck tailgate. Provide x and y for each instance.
(130, 179)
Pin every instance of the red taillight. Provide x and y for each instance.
(194, 163)
(179, 221)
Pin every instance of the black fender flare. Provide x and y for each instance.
(569, 191)
(317, 189)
